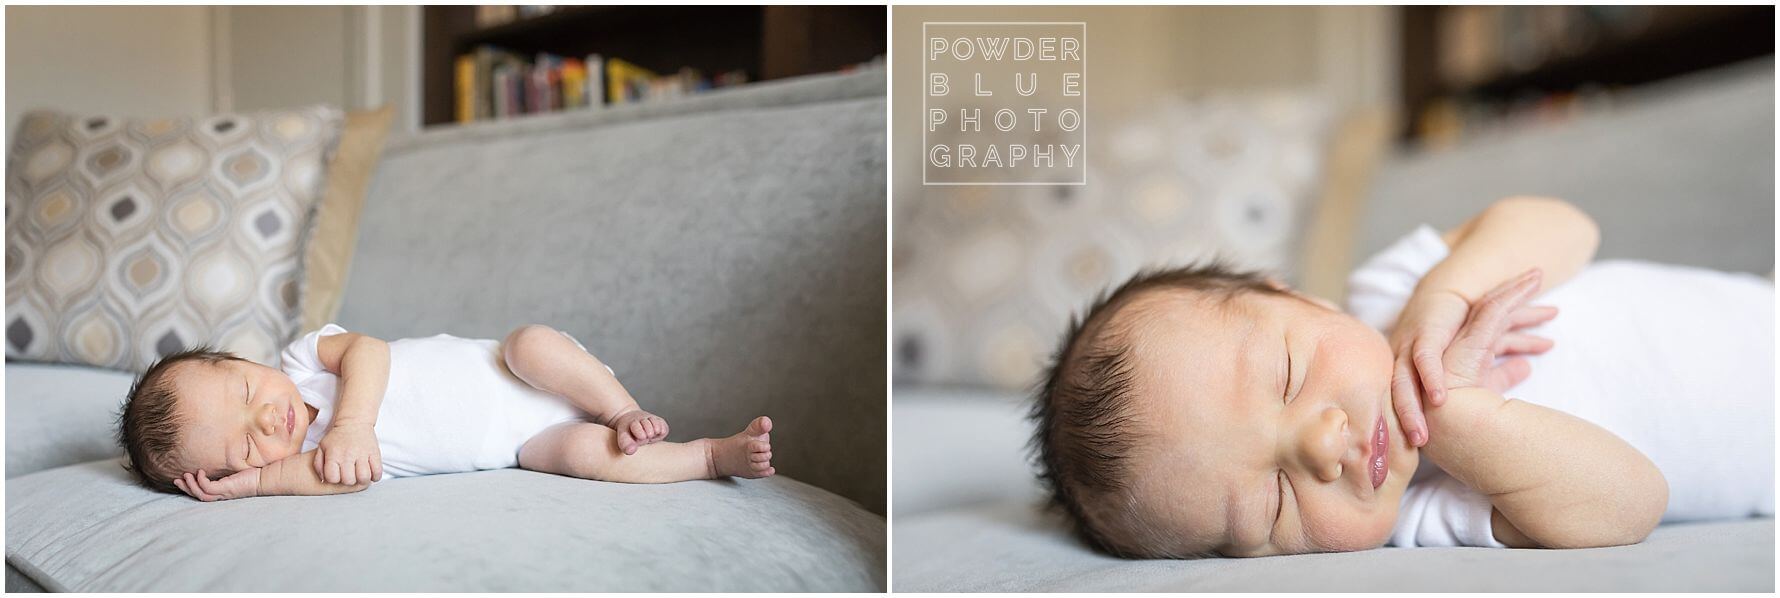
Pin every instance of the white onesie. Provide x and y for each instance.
(450, 406)
(1677, 361)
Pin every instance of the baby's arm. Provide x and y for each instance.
(294, 476)
(288, 476)
(1556, 480)
(362, 363)
(1512, 236)
(348, 452)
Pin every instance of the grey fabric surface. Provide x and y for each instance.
(725, 257)
(87, 528)
(60, 415)
(970, 523)
(959, 446)
(1681, 173)
(1014, 547)
(17, 581)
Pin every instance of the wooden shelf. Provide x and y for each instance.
(766, 42)
(1674, 40)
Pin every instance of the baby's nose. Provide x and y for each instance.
(1327, 444)
(268, 419)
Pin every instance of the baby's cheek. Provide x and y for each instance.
(1350, 529)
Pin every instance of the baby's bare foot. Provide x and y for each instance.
(638, 427)
(748, 454)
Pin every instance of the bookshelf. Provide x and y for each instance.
(1462, 65)
(765, 42)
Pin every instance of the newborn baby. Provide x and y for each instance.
(1204, 411)
(343, 409)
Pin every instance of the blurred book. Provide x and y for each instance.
(1446, 121)
(494, 83)
(626, 82)
(466, 87)
(573, 84)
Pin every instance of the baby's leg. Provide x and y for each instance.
(549, 361)
(585, 450)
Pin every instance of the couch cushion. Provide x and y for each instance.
(129, 239)
(727, 262)
(1680, 171)
(958, 447)
(60, 415)
(88, 528)
(1014, 547)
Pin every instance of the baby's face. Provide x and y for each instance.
(239, 415)
(1260, 419)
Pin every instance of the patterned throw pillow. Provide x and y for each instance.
(987, 277)
(127, 239)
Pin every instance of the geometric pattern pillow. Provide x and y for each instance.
(127, 239)
(986, 277)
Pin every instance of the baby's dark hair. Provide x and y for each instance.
(148, 425)
(1082, 408)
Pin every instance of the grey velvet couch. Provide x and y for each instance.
(1681, 173)
(724, 253)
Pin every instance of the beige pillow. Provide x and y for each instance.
(127, 239)
(1327, 255)
(328, 258)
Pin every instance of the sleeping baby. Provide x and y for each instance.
(1204, 411)
(342, 409)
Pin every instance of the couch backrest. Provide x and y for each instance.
(724, 253)
(1681, 172)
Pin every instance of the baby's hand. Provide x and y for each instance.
(348, 454)
(1424, 345)
(241, 484)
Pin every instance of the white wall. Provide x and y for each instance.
(281, 56)
(1347, 53)
(156, 61)
(350, 56)
(126, 60)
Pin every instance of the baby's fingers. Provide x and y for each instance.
(1407, 404)
(189, 490)
(1509, 374)
(1427, 354)
(333, 475)
(206, 492)
(190, 486)
(1531, 315)
(1515, 343)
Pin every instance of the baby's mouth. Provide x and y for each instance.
(1381, 454)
